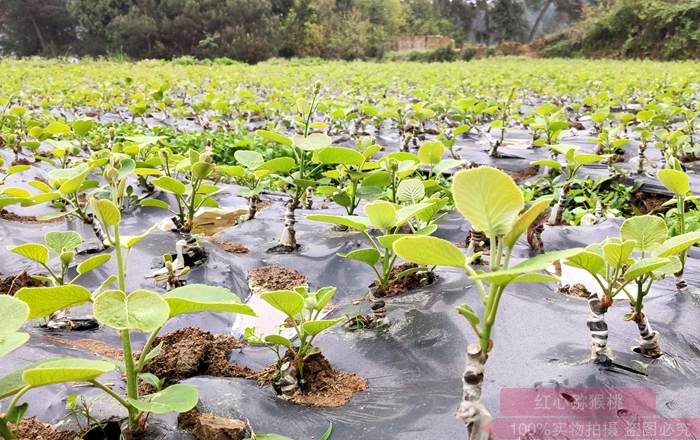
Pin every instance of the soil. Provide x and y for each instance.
(213, 222)
(9, 285)
(648, 203)
(32, 429)
(230, 247)
(403, 285)
(577, 290)
(520, 175)
(326, 387)
(92, 345)
(22, 161)
(192, 352)
(206, 426)
(26, 219)
(275, 277)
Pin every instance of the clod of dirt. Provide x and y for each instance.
(230, 247)
(397, 287)
(275, 277)
(9, 285)
(26, 219)
(32, 429)
(521, 175)
(192, 352)
(216, 220)
(92, 345)
(577, 290)
(326, 387)
(210, 427)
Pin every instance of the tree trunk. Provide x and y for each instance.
(558, 211)
(252, 207)
(538, 20)
(597, 325)
(288, 237)
(471, 411)
(38, 34)
(649, 345)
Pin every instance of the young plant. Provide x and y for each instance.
(546, 125)
(490, 200)
(140, 310)
(642, 254)
(253, 173)
(303, 310)
(678, 182)
(501, 112)
(388, 218)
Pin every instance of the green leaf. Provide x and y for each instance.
(488, 198)
(65, 370)
(469, 313)
(14, 314)
(178, 398)
(199, 298)
(432, 251)
(33, 251)
(643, 267)
(274, 137)
(286, 301)
(12, 341)
(405, 213)
(74, 184)
(431, 152)
(140, 310)
(675, 181)
(278, 165)
(339, 156)
(249, 159)
(82, 127)
(167, 183)
(350, 221)
(535, 278)
(312, 142)
(43, 301)
(676, 245)
(315, 327)
(59, 241)
(388, 240)
(56, 128)
(533, 264)
(369, 256)
(93, 263)
(381, 214)
(278, 340)
(588, 261)
(106, 211)
(155, 203)
(410, 190)
(524, 220)
(617, 254)
(647, 231)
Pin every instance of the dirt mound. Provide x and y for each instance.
(268, 278)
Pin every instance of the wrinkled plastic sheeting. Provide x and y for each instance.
(415, 367)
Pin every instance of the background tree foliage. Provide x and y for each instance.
(255, 30)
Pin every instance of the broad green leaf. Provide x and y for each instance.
(675, 181)
(647, 231)
(14, 169)
(617, 254)
(66, 370)
(93, 263)
(171, 185)
(82, 127)
(140, 310)
(59, 241)
(278, 340)
(586, 159)
(547, 163)
(535, 278)
(676, 245)
(278, 165)
(643, 267)
(488, 198)
(56, 128)
(588, 261)
(147, 172)
(388, 240)
(381, 214)
(43, 301)
(312, 142)
(410, 190)
(274, 137)
(12, 341)
(340, 156)
(350, 221)
(286, 301)
(155, 203)
(16, 192)
(33, 251)
(432, 251)
(405, 213)
(249, 159)
(528, 266)
(106, 211)
(199, 298)
(74, 184)
(178, 398)
(524, 220)
(315, 327)
(369, 256)
(14, 314)
(431, 152)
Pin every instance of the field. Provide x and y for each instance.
(345, 249)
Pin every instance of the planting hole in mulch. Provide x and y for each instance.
(232, 248)
(325, 386)
(205, 426)
(409, 282)
(649, 203)
(32, 429)
(190, 352)
(275, 278)
(578, 291)
(214, 221)
(9, 285)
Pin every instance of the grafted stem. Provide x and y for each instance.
(471, 411)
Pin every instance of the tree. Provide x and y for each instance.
(29, 27)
